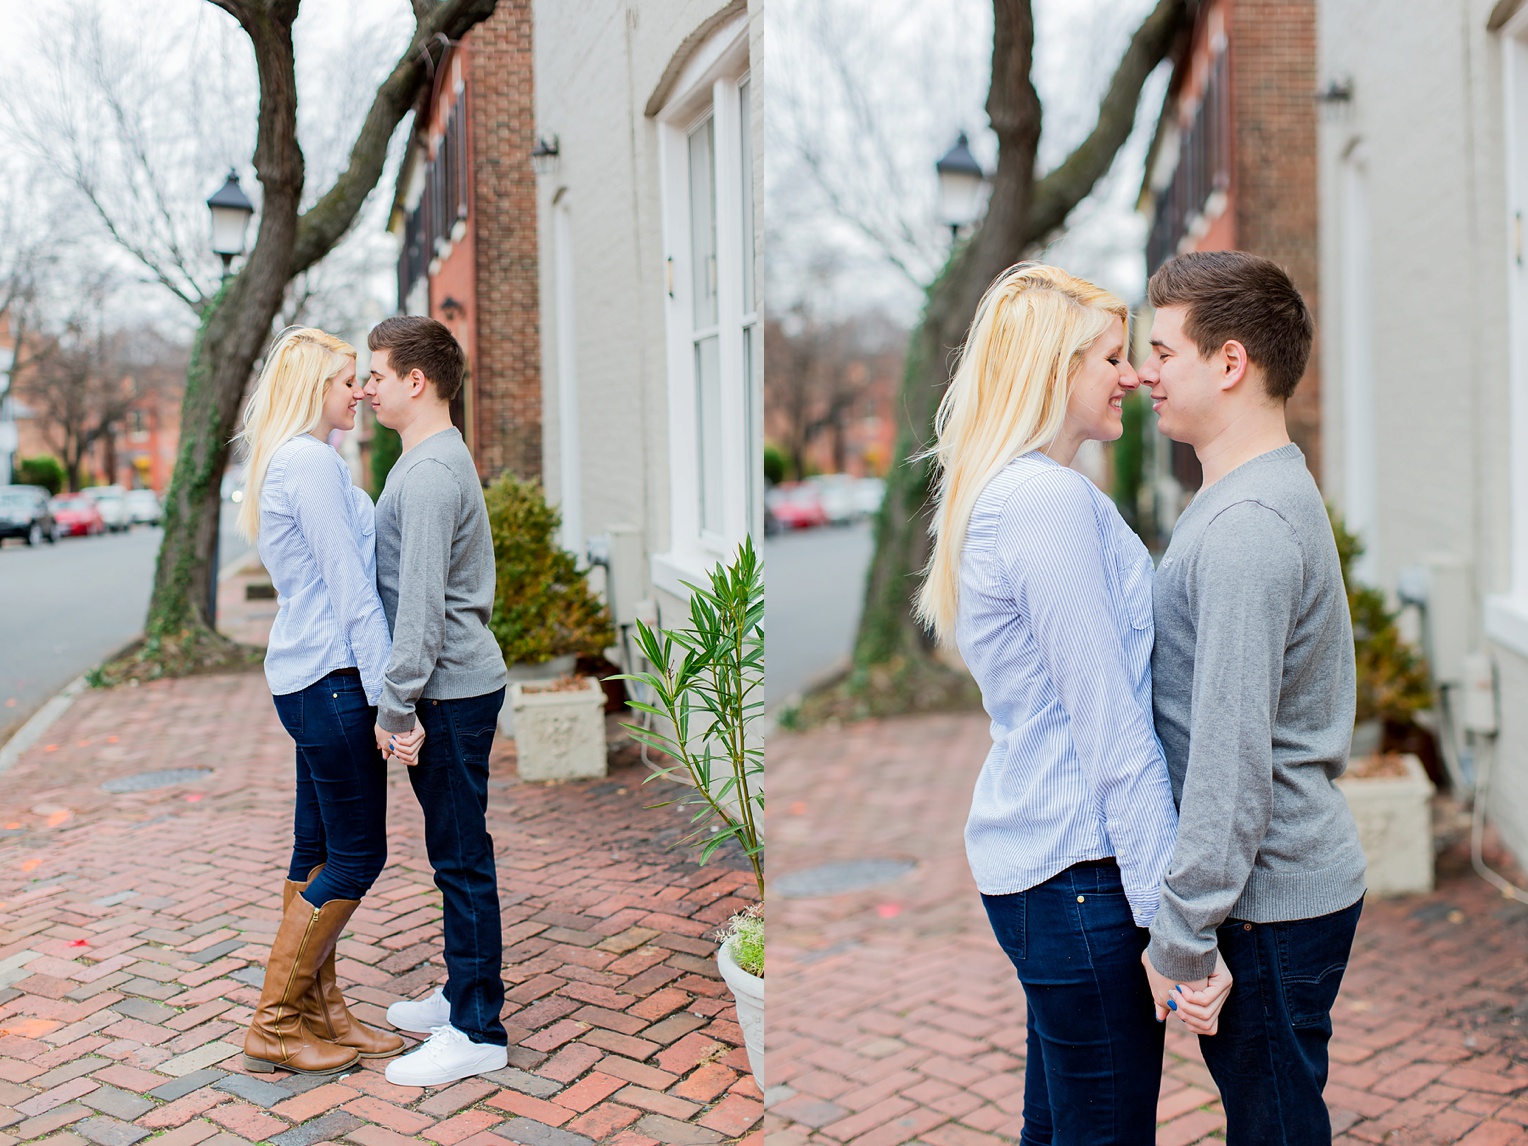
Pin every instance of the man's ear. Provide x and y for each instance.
(417, 382)
(1233, 364)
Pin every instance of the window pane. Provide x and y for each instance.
(745, 118)
(703, 221)
(708, 417)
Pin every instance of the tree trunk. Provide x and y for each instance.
(894, 666)
(236, 322)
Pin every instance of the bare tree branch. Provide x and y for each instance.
(325, 223)
(1067, 185)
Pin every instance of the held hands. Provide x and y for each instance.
(1197, 1003)
(404, 745)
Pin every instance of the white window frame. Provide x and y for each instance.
(706, 86)
(1506, 614)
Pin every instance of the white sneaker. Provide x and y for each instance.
(421, 1015)
(446, 1056)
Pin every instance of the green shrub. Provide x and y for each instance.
(774, 464)
(386, 448)
(1393, 683)
(44, 470)
(542, 605)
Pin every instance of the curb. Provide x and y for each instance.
(39, 722)
(43, 719)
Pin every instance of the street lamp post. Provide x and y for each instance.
(231, 212)
(544, 156)
(961, 182)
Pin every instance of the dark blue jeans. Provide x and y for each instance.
(1094, 1063)
(451, 783)
(1269, 1058)
(341, 816)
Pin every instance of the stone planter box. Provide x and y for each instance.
(520, 671)
(1394, 815)
(559, 735)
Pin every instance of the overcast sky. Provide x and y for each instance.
(188, 72)
(879, 89)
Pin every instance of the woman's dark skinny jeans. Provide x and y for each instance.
(341, 816)
(1094, 1062)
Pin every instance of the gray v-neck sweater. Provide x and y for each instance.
(1254, 689)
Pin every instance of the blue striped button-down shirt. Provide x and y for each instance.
(1055, 624)
(318, 541)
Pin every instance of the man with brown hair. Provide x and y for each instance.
(1253, 688)
(435, 575)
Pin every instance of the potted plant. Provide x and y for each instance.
(1389, 793)
(544, 614)
(705, 683)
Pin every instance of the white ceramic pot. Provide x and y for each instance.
(522, 671)
(559, 735)
(1394, 817)
(748, 992)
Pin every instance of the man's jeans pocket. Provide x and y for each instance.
(1313, 954)
(1006, 913)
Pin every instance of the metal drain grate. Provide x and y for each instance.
(841, 878)
(148, 781)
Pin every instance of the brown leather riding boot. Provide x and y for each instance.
(278, 1035)
(324, 1010)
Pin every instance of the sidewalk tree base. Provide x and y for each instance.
(193, 652)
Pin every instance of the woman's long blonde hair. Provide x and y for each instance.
(1008, 397)
(288, 400)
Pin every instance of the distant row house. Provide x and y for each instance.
(1379, 152)
(580, 208)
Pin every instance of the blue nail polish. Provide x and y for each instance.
(1172, 1005)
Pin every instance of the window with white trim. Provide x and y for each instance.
(714, 350)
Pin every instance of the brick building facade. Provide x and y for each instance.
(466, 215)
(1233, 166)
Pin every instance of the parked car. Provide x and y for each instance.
(24, 513)
(836, 493)
(77, 515)
(796, 505)
(868, 495)
(109, 500)
(142, 506)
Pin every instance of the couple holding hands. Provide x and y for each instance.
(380, 648)
(1155, 830)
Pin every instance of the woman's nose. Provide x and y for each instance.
(1127, 376)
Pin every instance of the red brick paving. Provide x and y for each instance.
(894, 1017)
(132, 930)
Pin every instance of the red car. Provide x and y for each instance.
(76, 514)
(797, 505)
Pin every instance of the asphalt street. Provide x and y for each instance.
(814, 587)
(66, 607)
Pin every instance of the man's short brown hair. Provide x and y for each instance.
(1233, 295)
(414, 342)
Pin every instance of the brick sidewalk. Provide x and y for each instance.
(133, 926)
(895, 1018)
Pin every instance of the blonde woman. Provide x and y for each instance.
(1048, 595)
(328, 650)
